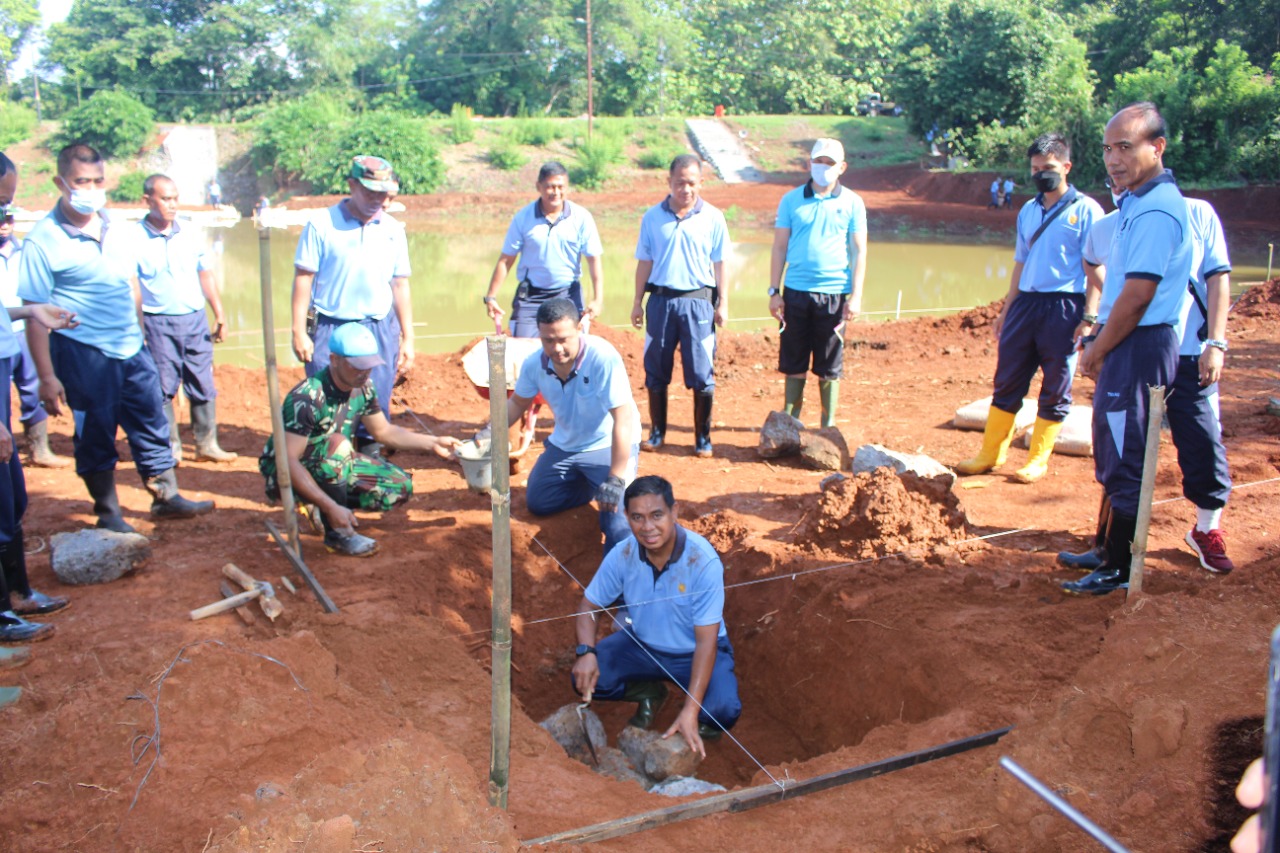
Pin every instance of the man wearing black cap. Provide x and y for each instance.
(320, 418)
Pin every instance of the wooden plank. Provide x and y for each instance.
(225, 604)
(763, 795)
(323, 597)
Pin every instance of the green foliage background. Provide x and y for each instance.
(114, 122)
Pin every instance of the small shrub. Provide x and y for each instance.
(296, 137)
(659, 157)
(461, 127)
(402, 140)
(129, 187)
(114, 122)
(538, 132)
(506, 157)
(17, 122)
(594, 159)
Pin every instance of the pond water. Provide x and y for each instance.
(452, 263)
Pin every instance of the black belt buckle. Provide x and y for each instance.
(312, 322)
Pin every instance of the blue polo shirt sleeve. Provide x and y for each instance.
(708, 600)
(35, 277)
(402, 267)
(592, 246)
(606, 587)
(1215, 260)
(644, 243)
(617, 385)
(309, 248)
(786, 208)
(527, 381)
(858, 216)
(1097, 242)
(514, 241)
(1022, 247)
(719, 238)
(1154, 237)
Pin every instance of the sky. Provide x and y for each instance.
(51, 12)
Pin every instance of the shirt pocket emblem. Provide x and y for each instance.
(680, 587)
(1073, 219)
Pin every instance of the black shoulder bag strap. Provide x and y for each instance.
(1203, 334)
(1067, 200)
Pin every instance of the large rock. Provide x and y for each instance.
(655, 757)
(96, 556)
(780, 436)
(566, 729)
(824, 450)
(615, 764)
(872, 456)
(683, 786)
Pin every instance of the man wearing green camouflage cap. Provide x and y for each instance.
(352, 266)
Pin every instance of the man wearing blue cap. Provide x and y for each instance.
(320, 419)
(352, 265)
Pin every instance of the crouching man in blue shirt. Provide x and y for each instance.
(673, 583)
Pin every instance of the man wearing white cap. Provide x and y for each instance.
(320, 418)
(820, 242)
(352, 265)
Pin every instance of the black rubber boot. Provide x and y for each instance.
(175, 441)
(167, 503)
(1095, 556)
(702, 402)
(657, 419)
(204, 423)
(1114, 573)
(106, 505)
(649, 697)
(15, 629)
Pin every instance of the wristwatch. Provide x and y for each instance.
(584, 649)
(1090, 318)
(773, 291)
(487, 299)
(1216, 342)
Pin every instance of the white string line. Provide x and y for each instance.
(627, 630)
(1233, 488)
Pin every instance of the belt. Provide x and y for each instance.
(706, 294)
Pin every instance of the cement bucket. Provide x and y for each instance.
(477, 465)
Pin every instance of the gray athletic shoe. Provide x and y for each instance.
(350, 545)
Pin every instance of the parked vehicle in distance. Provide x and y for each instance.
(873, 105)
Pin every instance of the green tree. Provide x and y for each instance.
(297, 137)
(16, 123)
(18, 19)
(404, 141)
(116, 123)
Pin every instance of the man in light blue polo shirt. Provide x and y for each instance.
(1036, 327)
(680, 264)
(1140, 316)
(820, 240)
(592, 450)
(551, 237)
(673, 583)
(76, 258)
(176, 279)
(352, 266)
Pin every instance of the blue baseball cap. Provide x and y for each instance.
(357, 345)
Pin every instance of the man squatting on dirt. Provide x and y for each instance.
(673, 582)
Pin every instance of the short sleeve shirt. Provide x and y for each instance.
(63, 265)
(1153, 242)
(1210, 258)
(354, 263)
(582, 403)
(683, 251)
(1097, 243)
(10, 257)
(1053, 263)
(169, 267)
(665, 606)
(551, 252)
(316, 409)
(822, 228)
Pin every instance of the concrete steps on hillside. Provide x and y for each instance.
(720, 147)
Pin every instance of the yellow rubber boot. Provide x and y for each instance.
(1043, 436)
(995, 444)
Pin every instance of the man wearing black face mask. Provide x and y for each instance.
(1037, 324)
(352, 266)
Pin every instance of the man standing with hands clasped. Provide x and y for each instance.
(680, 264)
(820, 239)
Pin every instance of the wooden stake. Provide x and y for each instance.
(763, 795)
(273, 390)
(1155, 416)
(500, 496)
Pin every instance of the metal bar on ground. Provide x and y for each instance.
(763, 795)
(1155, 416)
(296, 560)
(500, 496)
(273, 391)
(1069, 812)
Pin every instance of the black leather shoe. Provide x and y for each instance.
(15, 629)
(1098, 582)
(707, 732)
(351, 545)
(654, 441)
(1085, 561)
(38, 604)
(649, 697)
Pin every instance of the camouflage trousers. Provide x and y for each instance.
(353, 479)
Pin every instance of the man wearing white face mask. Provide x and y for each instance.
(352, 266)
(820, 240)
(100, 369)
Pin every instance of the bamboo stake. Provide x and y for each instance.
(500, 496)
(1155, 416)
(273, 390)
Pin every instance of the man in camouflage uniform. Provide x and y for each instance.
(320, 419)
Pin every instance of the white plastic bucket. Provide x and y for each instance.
(477, 466)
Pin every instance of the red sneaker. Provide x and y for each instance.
(1211, 549)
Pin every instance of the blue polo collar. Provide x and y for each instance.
(1165, 177)
(809, 193)
(697, 208)
(74, 231)
(1069, 197)
(537, 210)
(173, 231)
(351, 217)
(676, 553)
(577, 362)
